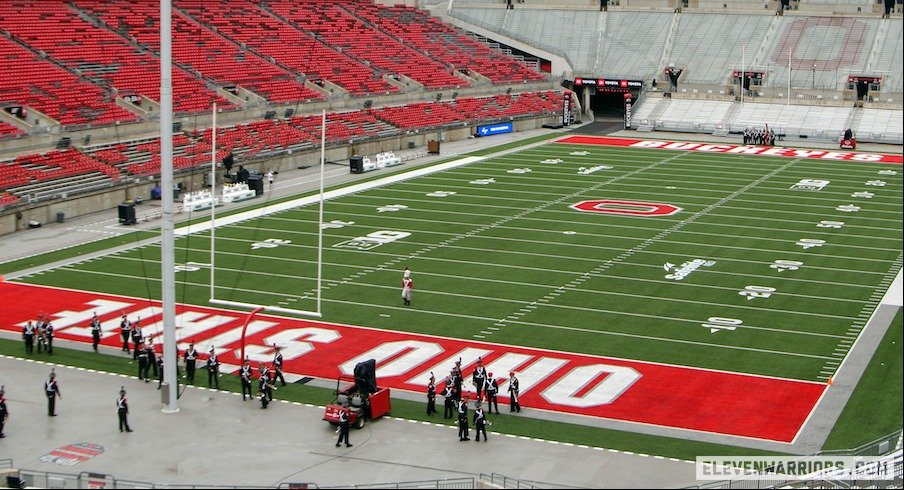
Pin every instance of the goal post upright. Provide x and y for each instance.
(319, 289)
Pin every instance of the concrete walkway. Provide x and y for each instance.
(217, 439)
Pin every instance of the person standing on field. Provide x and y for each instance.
(407, 286)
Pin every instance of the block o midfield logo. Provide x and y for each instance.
(627, 208)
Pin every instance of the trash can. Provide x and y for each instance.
(61, 217)
(164, 393)
(127, 213)
(356, 164)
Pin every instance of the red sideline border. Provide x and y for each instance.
(775, 151)
(677, 397)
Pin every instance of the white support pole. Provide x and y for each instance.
(168, 237)
(213, 192)
(743, 73)
(320, 220)
(790, 50)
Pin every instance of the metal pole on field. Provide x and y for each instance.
(213, 190)
(168, 237)
(320, 220)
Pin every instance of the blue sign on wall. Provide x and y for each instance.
(491, 129)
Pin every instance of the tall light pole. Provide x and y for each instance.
(168, 235)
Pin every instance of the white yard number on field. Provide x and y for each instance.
(808, 243)
(441, 194)
(483, 181)
(716, 323)
(189, 267)
(756, 292)
(830, 224)
(391, 208)
(270, 243)
(785, 265)
(336, 224)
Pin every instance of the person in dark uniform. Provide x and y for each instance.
(4, 412)
(463, 419)
(480, 423)
(137, 337)
(152, 355)
(344, 416)
(28, 335)
(449, 402)
(479, 378)
(514, 390)
(122, 409)
(48, 336)
(264, 389)
(213, 370)
(39, 334)
(245, 375)
(95, 332)
(143, 366)
(52, 390)
(125, 330)
(277, 366)
(492, 389)
(191, 357)
(159, 363)
(457, 380)
(431, 396)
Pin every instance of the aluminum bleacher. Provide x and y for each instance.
(822, 122)
(824, 51)
(881, 126)
(705, 61)
(687, 114)
(417, 28)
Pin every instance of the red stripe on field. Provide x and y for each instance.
(775, 151)
(665, 395)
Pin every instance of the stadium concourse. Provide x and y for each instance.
(215, 439)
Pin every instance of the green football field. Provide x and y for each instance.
(762, 270)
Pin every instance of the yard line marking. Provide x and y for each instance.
(533, 305)
(550, 326)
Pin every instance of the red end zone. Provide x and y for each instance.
(648, 393)
(775, 151)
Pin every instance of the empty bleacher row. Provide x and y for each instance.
(824, 123)
(30, 177)
(7, 129)
(708, 47)
(77, 60)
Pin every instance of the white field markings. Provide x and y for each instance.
(553, 271)
(395, 262)
(659, 193)
(545, 325)
(484, 297)
(395, 218)
(608, 224)
(845, 344)
(572, 258)
(625, 255)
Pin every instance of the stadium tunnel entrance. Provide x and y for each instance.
(605, 98)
